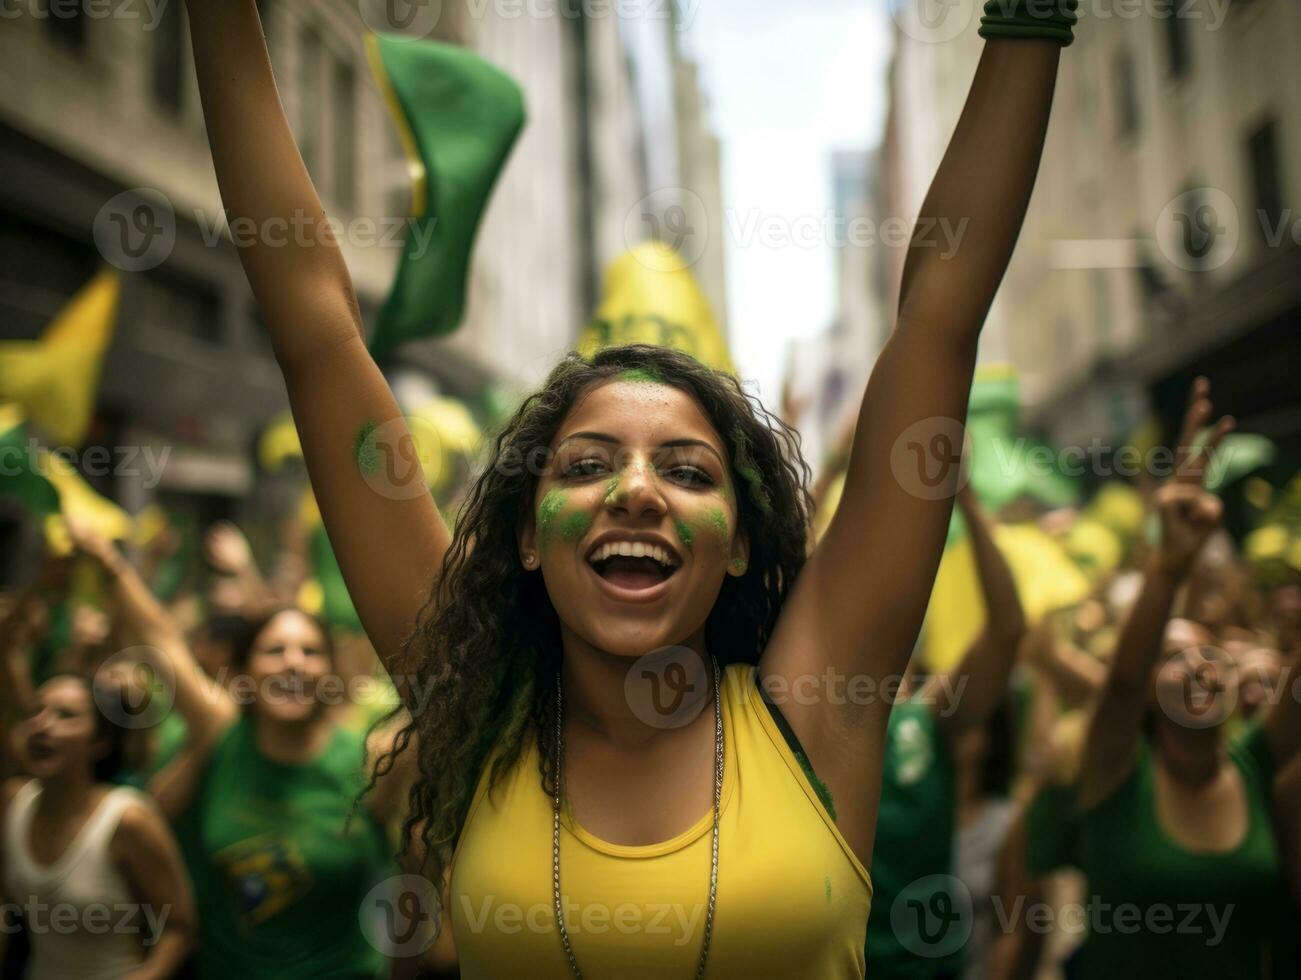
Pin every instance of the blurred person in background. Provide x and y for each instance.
(92, 866)
(262, 792)
(948, 767)
(1172, 816)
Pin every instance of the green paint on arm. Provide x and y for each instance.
(644, 375)
(685, 531)
(365, 450)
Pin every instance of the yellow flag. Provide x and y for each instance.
(55, 378)
(651, 297)
(1046, 579)
(279, 442)
(78, 501)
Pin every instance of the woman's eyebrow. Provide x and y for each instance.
(594, 436)
(678, 443)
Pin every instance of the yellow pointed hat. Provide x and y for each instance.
(651, 297)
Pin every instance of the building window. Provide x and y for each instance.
(66, 20)
(310, 55)
(1266, 177)
(1176, 37)
(169, 61)
(1126, 94)
(344, 80)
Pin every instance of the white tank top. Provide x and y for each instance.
(81, 917)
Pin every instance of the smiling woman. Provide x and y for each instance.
(670, 521)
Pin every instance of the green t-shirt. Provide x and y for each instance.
(914, 852)
(278, 881)
(1053, 831)
(1159, 911)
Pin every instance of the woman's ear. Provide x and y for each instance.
(739, 560)
(528, 544)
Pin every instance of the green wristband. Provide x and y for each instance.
(1049, 19)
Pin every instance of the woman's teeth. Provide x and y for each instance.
(633, 549)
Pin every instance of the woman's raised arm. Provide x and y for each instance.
(860, 600)
(384, 527)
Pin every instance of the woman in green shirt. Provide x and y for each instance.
(263, 793)
(1177, 842)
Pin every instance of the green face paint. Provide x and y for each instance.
(365, 450)
(552, 504)
(642, 376)
(717, 522)
(611, 488)
(575, 525)
(685, 531)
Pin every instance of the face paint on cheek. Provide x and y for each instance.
(575, 525)
(552, 504)
(717, 522)
(611, 489)
(686, 533)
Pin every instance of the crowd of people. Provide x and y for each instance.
(630, 715)
(189, 782)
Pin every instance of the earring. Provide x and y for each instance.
(530, 559)
(739, 566)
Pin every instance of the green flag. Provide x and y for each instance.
(458, 117)
(20, 479)
(336, 605)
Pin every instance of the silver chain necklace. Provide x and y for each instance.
(555, 829)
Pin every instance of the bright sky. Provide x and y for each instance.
(787, 84)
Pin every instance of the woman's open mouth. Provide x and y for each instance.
(634, 567)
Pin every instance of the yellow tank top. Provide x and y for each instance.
(793, 899)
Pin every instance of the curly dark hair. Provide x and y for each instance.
(490, 645)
